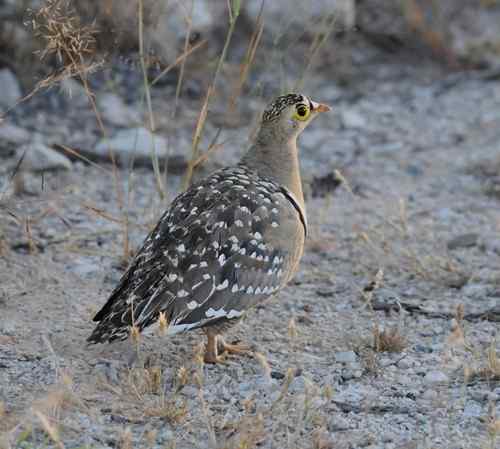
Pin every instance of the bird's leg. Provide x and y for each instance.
(238, 349)
(211, 349)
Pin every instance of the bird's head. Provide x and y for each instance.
(288, 115)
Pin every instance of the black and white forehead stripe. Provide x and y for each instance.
(274, 110)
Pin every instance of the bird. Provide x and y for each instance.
(224, 245)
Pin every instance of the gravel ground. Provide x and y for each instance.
(388, 337)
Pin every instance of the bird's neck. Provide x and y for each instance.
(279, 162)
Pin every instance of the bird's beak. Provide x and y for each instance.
(320, 107)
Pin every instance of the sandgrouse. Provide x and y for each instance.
(225, 245)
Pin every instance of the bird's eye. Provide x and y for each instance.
(301, 112)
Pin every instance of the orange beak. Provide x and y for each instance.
(320, 107)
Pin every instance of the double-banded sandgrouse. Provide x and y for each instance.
(226, 244)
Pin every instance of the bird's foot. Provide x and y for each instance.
(212, 358)
(237, 349)
(211, 350)
(217, 349)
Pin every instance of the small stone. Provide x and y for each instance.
(405, 363)
(489, 243)
(472, 410)
(463, 241)
(116, 112)
(476, 291)
(345, 357)
(423, 349)
(11, 136)
(11, 91)
(338, 423)
(245, 387)
(436, 377)
(429, 395)
(40, 157)
(134, 144)
(446, 215)
(86, 268)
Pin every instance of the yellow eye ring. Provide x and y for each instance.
(301, 112)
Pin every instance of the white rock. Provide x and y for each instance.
(116, 112)
(85, 267)
(132, 144)
(9, 86)
(11, 136)
(40, 157)
(405, 363)
(345, 357)
(475, 291)
(338, 423)
(436, 377)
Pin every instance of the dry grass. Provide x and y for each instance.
(388, 340)
(233, 7)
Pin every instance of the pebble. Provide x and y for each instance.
(116, 112)
(475, 291)
(424, 349)
(429, 395)
(435, 377)
(345, 357)
(405, 363)
(129, 145)
(463, 241)
(489, 243)
(472, 410)
(11, 136)
(338, 423)
(85, 268)
(277, 375)
(446, 215)
(39, 157)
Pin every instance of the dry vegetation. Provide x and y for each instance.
(154, 394)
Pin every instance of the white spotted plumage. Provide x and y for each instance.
(192, 280)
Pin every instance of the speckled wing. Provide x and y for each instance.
(226, 244)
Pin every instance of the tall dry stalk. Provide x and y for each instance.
(248, 60)
(152, 125)
(325, 30)
(233, 11)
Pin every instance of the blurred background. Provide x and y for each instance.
(76, 73)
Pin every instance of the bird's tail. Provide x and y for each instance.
(106, 332)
